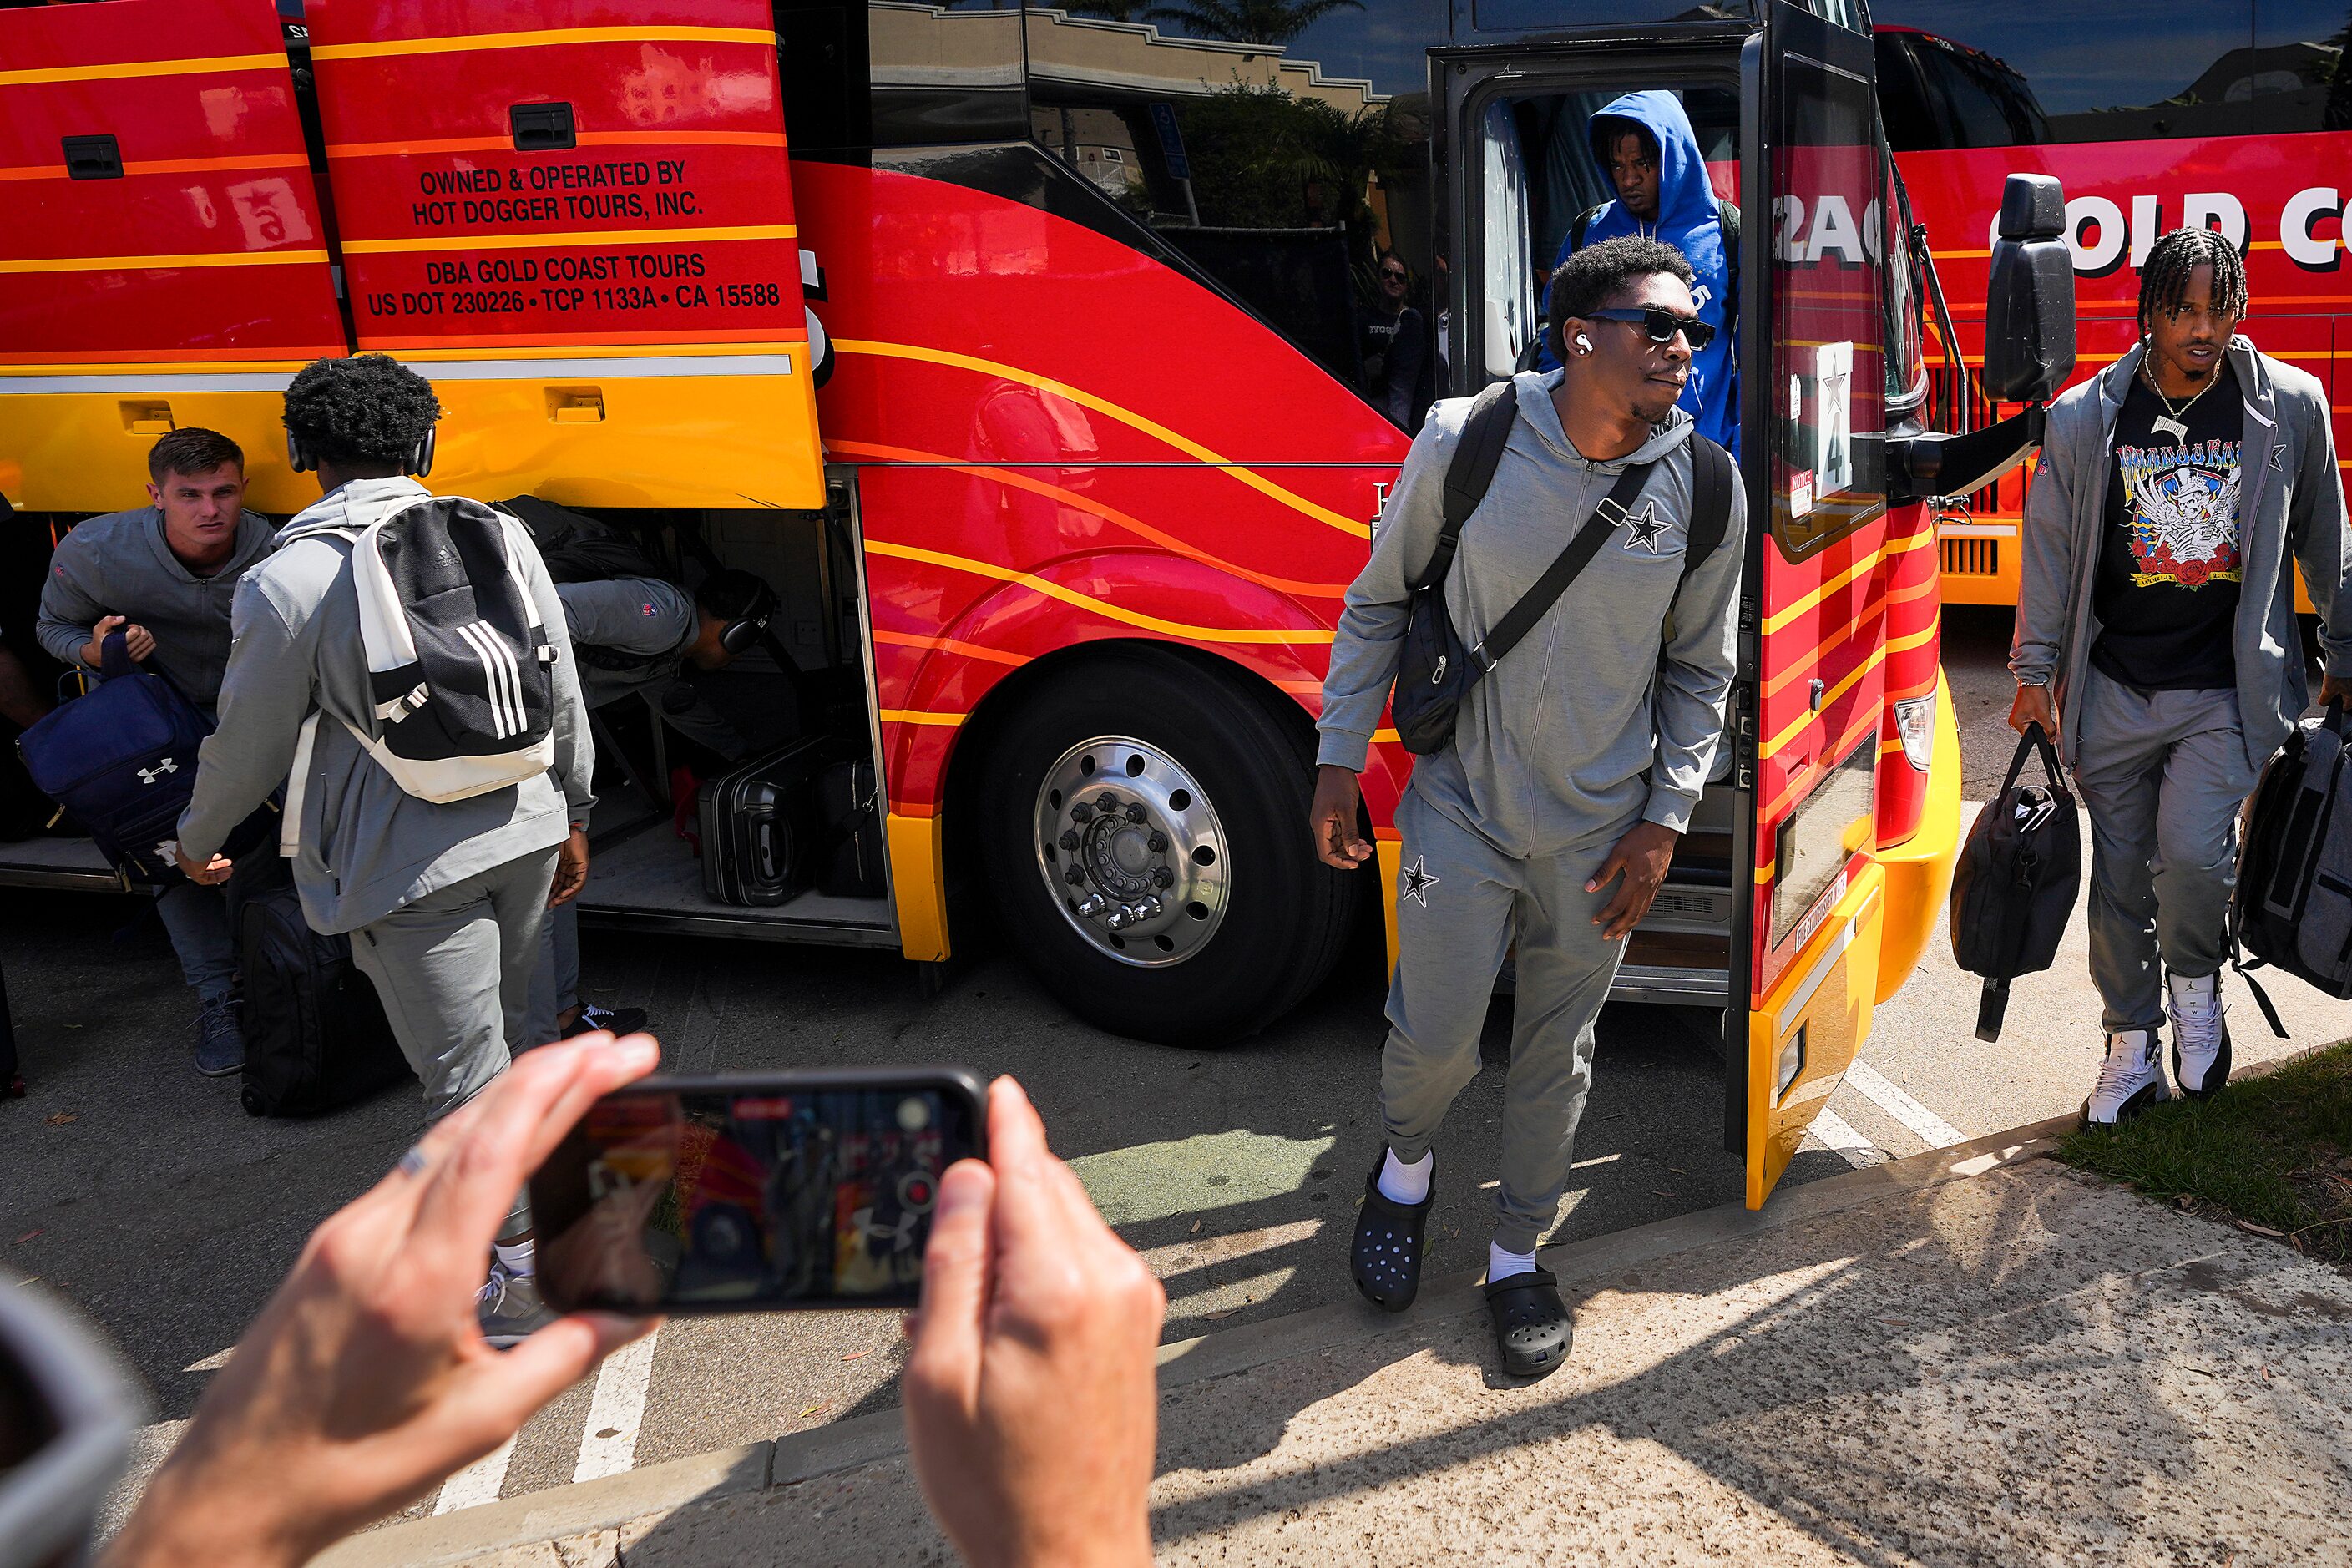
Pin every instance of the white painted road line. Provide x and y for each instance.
(608, 1443)
(478, 1482)
(1876, 1086)
(1836, 1132)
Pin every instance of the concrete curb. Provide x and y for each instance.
(604, 1504)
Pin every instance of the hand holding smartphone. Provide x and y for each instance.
(752, 1192)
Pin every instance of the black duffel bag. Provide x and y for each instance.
(1434, 669)
(2019, 875)
(316, 1038)
(2293, 906)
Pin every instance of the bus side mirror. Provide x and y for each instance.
(2029, 294)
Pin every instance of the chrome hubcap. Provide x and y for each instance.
(1131, 851)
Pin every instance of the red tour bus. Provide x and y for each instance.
(2235, 114)
(1046, 376)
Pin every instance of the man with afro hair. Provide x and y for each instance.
(443, 902)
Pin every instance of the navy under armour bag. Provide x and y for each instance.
(121, 761)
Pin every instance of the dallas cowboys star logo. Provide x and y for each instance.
(1419, 879)
(2278, 458)
(1645, 529)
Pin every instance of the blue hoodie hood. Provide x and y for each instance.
(1688, 220)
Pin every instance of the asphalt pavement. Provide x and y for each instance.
(144, 1194)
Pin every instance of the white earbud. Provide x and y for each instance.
(1583, 344)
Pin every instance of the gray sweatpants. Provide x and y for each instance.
(454, 969)
(1461, 904)
(2162, 774)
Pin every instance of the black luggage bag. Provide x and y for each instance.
(2293, 906)
(2018, 878)
(315, 1034)
(850, 807)
(760, 827)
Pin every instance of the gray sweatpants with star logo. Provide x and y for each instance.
(1462, 906)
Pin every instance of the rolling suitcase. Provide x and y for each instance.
(759, 828)
(315, 1034)
(850, 807)
(2293, 906)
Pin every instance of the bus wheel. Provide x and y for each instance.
(1144, 829)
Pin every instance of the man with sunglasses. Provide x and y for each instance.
(1393, 343)
(1545, 828)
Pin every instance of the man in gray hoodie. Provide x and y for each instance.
(161, 575)
(1550, 821)
(443, 902)
(2156, 639)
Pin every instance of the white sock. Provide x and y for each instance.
(1404, 1184)
(1502, 1265)
(518, 1258)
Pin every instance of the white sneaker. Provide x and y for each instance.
(2201, 1034)
(2130, 1080)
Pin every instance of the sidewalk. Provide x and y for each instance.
(1971, 1356)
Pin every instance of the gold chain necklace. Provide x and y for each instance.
(2171, 418)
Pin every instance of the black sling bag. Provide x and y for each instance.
(1435, 670)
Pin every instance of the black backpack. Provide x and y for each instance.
(2018, 878)
(1434, 671)
(315, 1034)
(2293, 906)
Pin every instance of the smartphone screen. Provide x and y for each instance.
(752, 1192)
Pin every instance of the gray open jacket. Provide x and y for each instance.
(1554, 744)
(118, 564)
(366, 847)
(2292, 496)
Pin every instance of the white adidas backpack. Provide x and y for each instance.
(458, 664)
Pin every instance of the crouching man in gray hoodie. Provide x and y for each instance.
(2156, 640)
(1551, 819)
(443, 902)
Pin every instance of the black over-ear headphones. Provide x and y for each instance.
(419, 460)
(747, 629)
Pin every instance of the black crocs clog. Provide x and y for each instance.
(1386, 1257)
(1531, 1323)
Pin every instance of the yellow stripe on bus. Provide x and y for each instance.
(135, 263)
(1071, 596)
(601, 237)
(1783, 616)
(469, 42)
(1773, 746)
(1103, 405)
(919, 716)
(125, 70)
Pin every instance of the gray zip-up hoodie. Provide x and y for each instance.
(366, 846)
(119, 565)
(1553, 744)
(2292, 496)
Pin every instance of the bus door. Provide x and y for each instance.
(162, 214)
(1811, 693)
(577, 219)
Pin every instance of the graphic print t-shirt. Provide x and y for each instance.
(2167, 591)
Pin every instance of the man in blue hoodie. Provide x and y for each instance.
(1644, 143)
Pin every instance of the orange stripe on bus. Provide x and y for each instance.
(170, 166)
(122, 70)
(949, 645)
(1087, 602)
(469, 43)
(576, 236)
(166, 263)
(748, 340)
(1134, 525)
(1106, 407)
(585, 139)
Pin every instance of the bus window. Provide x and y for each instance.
(942, 75)
(1519, 15)
(2301, 79)
(1289, 165)
(2006, 72)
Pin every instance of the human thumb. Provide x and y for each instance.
(944, 1361)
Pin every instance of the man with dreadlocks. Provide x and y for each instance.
(2156, 639)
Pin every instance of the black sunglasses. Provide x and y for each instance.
(1660, 324)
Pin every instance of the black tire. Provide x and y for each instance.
(1286, 916)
